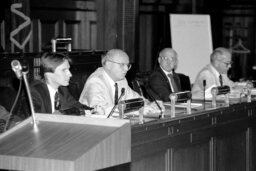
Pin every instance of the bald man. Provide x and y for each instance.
(164, 81)
(214, 74)
(99, 89)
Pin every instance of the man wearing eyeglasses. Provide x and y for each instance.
(164, 81)
(214, 74)
(103, 88)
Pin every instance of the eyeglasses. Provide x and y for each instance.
(168, 59)
(122, 64)
(227, 63)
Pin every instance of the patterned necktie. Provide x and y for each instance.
(116, 94)
(57, 101)
(221, 81)
(174, 85)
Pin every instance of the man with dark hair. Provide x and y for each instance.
(51, 95)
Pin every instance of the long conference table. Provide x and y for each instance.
(221, 139)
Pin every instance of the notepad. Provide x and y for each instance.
(184, 105)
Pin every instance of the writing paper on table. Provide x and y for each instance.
(184, 105)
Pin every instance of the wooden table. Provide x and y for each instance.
(207, 140)
(211, 139)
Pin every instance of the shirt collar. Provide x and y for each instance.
(52, 92)
(216, 73)
(166, 73)
(109, 79)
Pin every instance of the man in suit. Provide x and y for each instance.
(51, 95)
(213, 74)
(103, 87)
(164, 81)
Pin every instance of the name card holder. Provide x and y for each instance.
(247, 91)
(249, 87)
(220, 90)
(126, 106)
(180, 97)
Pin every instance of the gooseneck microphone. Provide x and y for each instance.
(113, 109)
(17, 68)
(204, 85)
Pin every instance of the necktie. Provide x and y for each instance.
(57, 101)
(174, 85)
(116, 94)
(221, 81)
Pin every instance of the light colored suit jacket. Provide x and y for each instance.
(208, 73)
(98, 91)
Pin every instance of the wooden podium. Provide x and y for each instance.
(65, 143)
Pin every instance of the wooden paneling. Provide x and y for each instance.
(2, 35)
(146, 46)
(154, 32)
(107, 24)
(154, 162)
(251, 149)
(193, 158)
(221, 139)
(74, 19)
(117, 25)
(231, 152)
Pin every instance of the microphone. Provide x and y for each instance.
(17, 68)
(113, 109)
(204, 84)
(154, 100)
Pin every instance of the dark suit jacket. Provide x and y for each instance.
(159, 86)
(42, 102)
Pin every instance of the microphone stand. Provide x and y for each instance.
(24, 75)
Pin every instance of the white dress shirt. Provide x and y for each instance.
(52, 96)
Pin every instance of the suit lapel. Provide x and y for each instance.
(216, 79)
(109, 88)
(46, 98)
(48, 102)
(165, 78)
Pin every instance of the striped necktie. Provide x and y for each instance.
(116, 94)
(57, 101)
(220, 79)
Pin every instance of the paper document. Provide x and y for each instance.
(184, 105)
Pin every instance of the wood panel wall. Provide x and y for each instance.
(140, 27)
(222, 139)
(74, 19)
(118, 25)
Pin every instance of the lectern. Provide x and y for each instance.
(66, 143)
